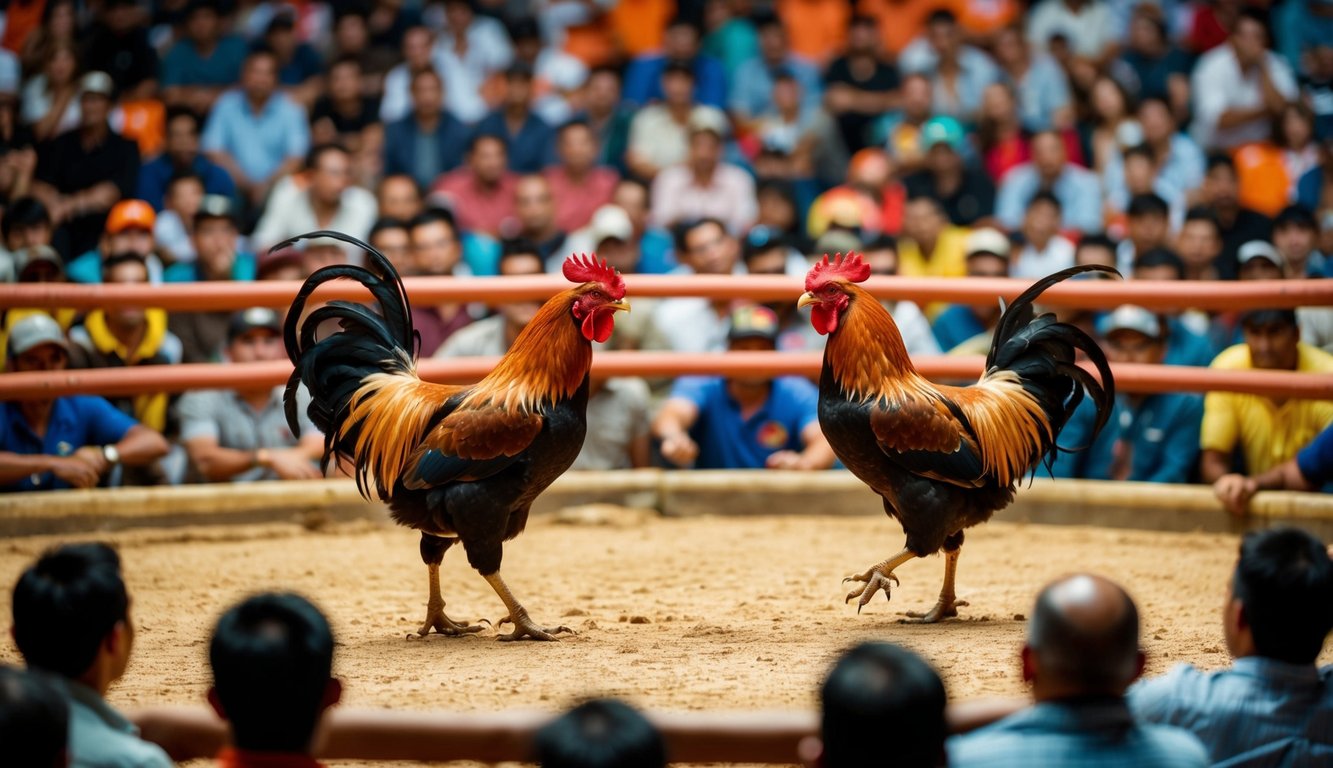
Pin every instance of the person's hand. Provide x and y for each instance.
(1235, 492)
(292, 465)
(679, 449)
(75, 471)
(94, 457)
(785, 460)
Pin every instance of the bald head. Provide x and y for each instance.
(1084, 637)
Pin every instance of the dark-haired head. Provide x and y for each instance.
(272, 660)
(34, 720)
(1083, 639)
(878, 694)
(67, 605)
(24, 213)
(603, 733)
(1159, 264)
(1281, 603)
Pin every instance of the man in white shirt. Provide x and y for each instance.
(1240, 87)
(704, 185)
(323, 199)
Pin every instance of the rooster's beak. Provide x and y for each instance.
(622, 305)
(807, 299)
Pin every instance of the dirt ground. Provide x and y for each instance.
(673, 614)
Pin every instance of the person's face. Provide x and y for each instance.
(944, 38)
(396, 245)
(942, 159)
(182, 142)
(458, 16)
(345, 82)
(259, 78)
(435, 249)
(1220, 187)
(256, 346)
(770, 262)
(1126, 346)
(47, 357)
(518, 90)
(1143, 34)
(578, 150)
(1250, 40)
(488, 160)
(776, 211)
(1294, 241)
(184, 197)
(773, 43)
(1296, 128)
(416, 48)
(330, 176)
(1162, 272)
(922, 221)
(399, 198)
(135, 240)
(603, 93)
(1148, 231)
(711, 250)
(317, 256)
(1107, 101)
(917, 98)
(705, 150)
(427, 94)
(1157, 123)
(987, 265)
(677, 88)
(1010, 48)
(534, 204)
(63, 21)
(621, 255)
(203, 26)
(1139, 175)
(883, 262)
(1041, 223)
(283, 42)
(127, 273)
(95, 108)
(681, 42)
(863, 39)
(1259, 269)
(997, 104)
(62, 66)
(215, 244)
(1273, 346)
(1095, 254)
(1198, 243)
(528, 49)
(350, 34)
(28, 235)
(786, 95)
(1048, 154)
(519, 314)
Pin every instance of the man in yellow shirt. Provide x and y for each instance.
(1268, 431)
(931, 246)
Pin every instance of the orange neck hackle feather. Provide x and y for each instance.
(866, 352)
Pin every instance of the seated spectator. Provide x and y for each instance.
(729, 35)
(1039, 84)
(1141, 178)
(769, 252)
(1045, 251)
(645, 79)
(1314, 465)
(871, 200)
(704, 184)
(1239, 87)
(118, 44)
(481, 193)
(1199, 244)
(742, 423)
(34, 719)
(902, 128)
(242, 435)
(1109, 126)
(300, 70)
(181, 154)
(1177, 162)
(399, 97)
(656, 245)
(1001, 139)
(38, 264)
(602, 733)
(528, 139)
(966, 194)
(959, 73)
(390, 237)
(493, 335)
(1081, 655)
(215, 240)
(963, 328)
(860, 85)
(579, 184)
(534, 212)
(1187, 343)
(1148, 225)
(1087, 28)
(930, 246)
(346, 115)
(470, 50)
(1272, 704)
(204, 63)
(607, 116)
(690, 323)
(25, 224)
(68, 442)
(659, 135)
(72, 622)
(82, 173)
(427, 142)
(1096, 249)
(399, 197)
(786, 138)
(881, 254)
(272, 662)
(1147, 438)
(129, 229)
(437, 250)
(50, 102)
(878, 694)
(1150, 65)
(1263, 431)
(1076, 188)
(322, 198)
(618, 425)
(256, 133)
(752, 85)
(1296, 237)
(1220, 193)
(558, 76)
(173, 228)
(1261, 261)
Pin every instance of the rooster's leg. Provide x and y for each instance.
(947, 606)
(432, 551)
(518, 616)
(877, 578)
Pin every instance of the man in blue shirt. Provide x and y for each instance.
(1077, 189)
(744, 423)
(181, 153)
(643, 76)
(65, 442)
(751, 93)
(1148, 438)
(1081, 654)
(199, 67)
(1273, 706)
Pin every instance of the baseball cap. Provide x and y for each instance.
(99, 83)
(1129, 317)
(130, 214)
(988, 240)
(708, 120)
(37, 254)
(753, 322)
(942, 130)
(610, 222)
(33, 331)
(250, 319)
(1259, 249)
(214, 207)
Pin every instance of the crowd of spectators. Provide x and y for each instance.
(179, 141)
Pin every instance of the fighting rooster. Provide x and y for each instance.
(458, 463)
(943, 458)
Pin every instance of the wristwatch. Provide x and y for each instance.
(112, 455)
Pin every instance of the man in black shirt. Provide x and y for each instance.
(82, 173)
(967, 194)
(1220, 192)
(860, 86)
(118, 45)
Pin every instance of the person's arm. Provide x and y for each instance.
(641, 451)
(47, 126)
(1213, 465)
(219, 464)
(672, 427)
(141, 446)
(816, 453)
(1182, 446)
(72, 469)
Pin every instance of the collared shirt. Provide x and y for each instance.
(655, 135)
(258, 141)
(1077, 189)
(1033, 264)
(729, 195)
(948, 259)
(1267, 434)
(1076, 732)
(531, 149)
(728, 440)
(575, 203)
(75, 421)
(1260, 712)
(1041, 91)
(97, 347)
(424, 156)
(478, 208)
(289, 213)
(222, 415)
(1158, 437)
(101, 737)
(1218, 85)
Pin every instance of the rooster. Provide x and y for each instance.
(458, 463)
(943, 458)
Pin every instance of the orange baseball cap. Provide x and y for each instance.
(130, 214)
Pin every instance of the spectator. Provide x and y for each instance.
(602, 733)
(25, 224)
(1086, 26)
(534, 209)
(242, 435)
(399, 197)
(391, 237)
(1266, 433)
(1271, 704)
(181, 154)
(645, 79)
(256, 133)
(1261, 261)
(871, 201)
(1220, 192)
(1176, 166)
(769, 252)
(965, 194)
(729, 35)
(902, 128)
(1082, 652)
(1199, 244)
(399, 100)
(482, 192)
(1148, 227)
(1239, 87)
(877, 694)
(272, 662)
(34, 719)
(704, 184)
(1313, 465)
(1095, 249)
(1187, 339)
(959, 73)
(300, 71)
(962, 328)
(607, 116)
(493, 335)
(33, 37)
(82, 173)
(789, 139)
(655, 244)
(738, 423)
(51, 99)
(72, 622)
(1317, 87)
(860, 86)
(1109, 126)
(1076, 188)
(129, 229)
(429, 141)
(558, 76)
(469, 51)
(118, 45)
(692, 324)
(528, 139)
(1150, 66)
(436, 250)
(659, 134)
(1041, 88)
(207, 61)
(610, 235)
(580, 185)
(18, 155)
(324, 198)
(346, 114)
(1296, 237)
(1045, 251)
(931, 246)
(175, 223)
(752, 85)
(217, 257)
(881, 254)
(1147, 438)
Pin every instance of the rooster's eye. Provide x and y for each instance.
(598, 295)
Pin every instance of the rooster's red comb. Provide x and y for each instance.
(849, 267)
(585, 268)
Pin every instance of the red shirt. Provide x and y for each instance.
(236, 758)
(477, 208)
(576, 203)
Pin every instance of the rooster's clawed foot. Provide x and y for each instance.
(942, 610)
(526, 628)
(437, 620)
(875, 580)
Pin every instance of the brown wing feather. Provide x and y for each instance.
(913, 423)
(484, 433)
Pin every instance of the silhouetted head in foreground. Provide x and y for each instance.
(602, 733)
(34, 720)
(1281, 601)
(1083, 640)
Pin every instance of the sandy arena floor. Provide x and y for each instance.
(694, 614)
